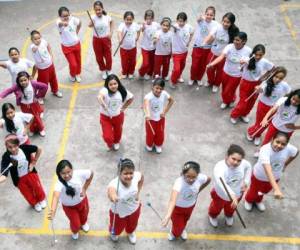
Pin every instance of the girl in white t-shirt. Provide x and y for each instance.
(149, 29)
(70, 190)
(129, 42)
(43, 57)
(102, 39)
(219, 37)
(163, 49)
(273, 159)
(205, 24)
(114, 99)
(157, 103)
(270, 92)
(182, 36)
(235, 55)
(255, 70)
(16, 123)
(235, 172)
(184, 198)
(124, 193)
(68, 27)
(15, 64)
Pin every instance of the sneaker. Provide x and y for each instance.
(147, 77)
(245, 119)
(191, 82)
(109, 73)
(248, 206)
(231, 105)
(58, 94)
(149, 149)
(249, 138)
(200, 83)
(229, 221)
(223, 106)
(260, 206)
(233, 120)
(184, 235)
(43, 133)
(158, 149)
(30, 134)
(85, 227)
(104, 75)
(116, 146)
(78, 78)
(130, 77)
(72, 79)
(132, 238)
(256, 154)
(257, 141)
(41, 101)
(37, 207)
(75, 236)
(114, 238)
(43, 204)
(108, 149)
(215, 89)
(166, 78)
(206, 84)
(42, 115)
(172, 85)
(213, 221)
(171, 237)
(123, 76)
(180, 80)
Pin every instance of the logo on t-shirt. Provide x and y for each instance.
(204, 29)
(155, 106)
(234, 180)
(101, 30)
(276, 166)
(286, 114)
(188, 195)
(234, 58)
(114, 105)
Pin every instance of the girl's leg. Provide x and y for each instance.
(97, 45)
(74, 217)
(107, 130)
(119, 225)
(107, 53)
(132, 221)
(216, 205)
(149, 133)
(83, 209)
(146, 62)
(166, 65)
(117, 123)
(159, 128)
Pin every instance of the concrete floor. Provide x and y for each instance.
(196, 130)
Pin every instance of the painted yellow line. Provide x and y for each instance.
(290, 5)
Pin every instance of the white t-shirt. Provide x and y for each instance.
(262, 66)
(285, 115)
(234, 178)
(157, 104)
(221, 39)
(187, 194)
(164, 43)
(19, 120)
(181, 38)
(41, 56)
(78, 180)
(102, 25)
(129, 41)
(14, 68)
(202, 31)
(68, 33)
(281, 89)
(148, 36)
(23, 164)
(127, 203)
(113, 102)
(276, 159)
(29, 93)
(233, 58)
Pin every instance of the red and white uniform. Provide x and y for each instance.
(77, 207)
(14, 68)
(235, 178)
(259, 180)
(156, 105)
(185, 203)
(112, 120)
(128, 208)
(180, 40)
(200, 53)
(102, 41)
(70, 44)
(148, 48)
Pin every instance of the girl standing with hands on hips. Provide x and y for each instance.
(183, 199)
(71, 189)
(68, 27)
(114, 99)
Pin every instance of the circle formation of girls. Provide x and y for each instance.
(219, 50)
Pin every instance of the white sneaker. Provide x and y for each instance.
(213, 221)
(260, 206)
(132, 238)
(191, 82)
(215, 89)
(180, 80)
(256, 154)
(42, 115)
(85, 227)
(104, 75)
(114, 238)
(166, 78)
(75, 236)
(43, 204)
(149, 149)
(257, 141)
(206, 84)
(184, 235)
(172, 85)
(30, 134)
(109, 73)
(147, 77)
(200, 83)
(223, 106)
(116, 146)
(245, 119)
(171, 237)
(58, 94)
(233, 120)
(249, 138)
(248, 206)
(123, 76)
(231, 105)
(229, 221)
(41, 101)
(158, 149)
(38, 207)
(130, 77)
(72, 79)
(43, 133)
(78, 78)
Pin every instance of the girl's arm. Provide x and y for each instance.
(2, 178)
(171, 207)
(86, 185)
(209, 39)
(292, 126)
(266, 121)
(205, 184)
(126, 104)
(112, 194)
(140, 185)
(191, 37)
(277, 192)
(41, 87)
(3, 65)
(34, 70)
(101, 100)
(34, 160)
(289, 160)
(137, 36)
(111, 25)
(27, 126)
(50, 51)
(147, 109)
(78, 27)
(54, 204)
(216, 61)
(8, 91)
(168, 106)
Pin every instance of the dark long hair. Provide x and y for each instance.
(258, 47)
(121, 88)
(21, 74)
(288, 100)
(10, 126)
(270, 84)
(233, 29)
(99, 3)
(60, 166)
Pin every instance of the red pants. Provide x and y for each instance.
(159, 130)
(148, 62)
(178, 66)
(214, 74)
(255, 187)
(180, 217)
(244, 107)
(162, 65)
(73, 55)
(31, 188)
(112, 128)
(199, 62)
(271, 132)
(217, 204)
(261, 111)
(48, 75)
(35, 109)
(77, 214)
(102, 49)
(229, 86)
(128, 60)
(129, 223)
